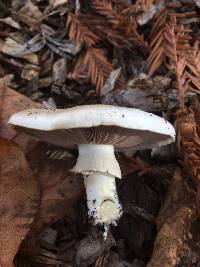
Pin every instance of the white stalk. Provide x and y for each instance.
(97, 158)
(99, 167)
(102, 199)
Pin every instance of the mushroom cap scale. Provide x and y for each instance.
(101, 124)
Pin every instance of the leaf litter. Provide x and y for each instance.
(19, 198)
(141, 54)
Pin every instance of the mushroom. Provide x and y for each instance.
(97, 130)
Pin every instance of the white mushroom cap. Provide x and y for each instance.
(96, 124)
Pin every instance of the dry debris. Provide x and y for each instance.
(60, 191)
(177, 225)
(19, 198)
(11, 102)
(59, 53)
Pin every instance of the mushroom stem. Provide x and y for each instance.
(102, 199)
(100, 158)
(99, 167)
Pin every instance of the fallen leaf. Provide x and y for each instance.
(111, 81)
(64, 48)
(19, 200)
(10, 103)
(148, 15)
(30, 72)
(30, 12)
(23, 50)
(56, 3)
(6, 80)
(61, 189)
(92, 246)
(174, 225)
(11, 22)
(59, 71)
(197, 2)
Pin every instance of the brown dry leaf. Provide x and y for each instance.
(10, 103)
(99, 68)
(138, 6)
(80, 32)
(111, 81)
(130, 165)
(95, 65)
(11, 22)
(19, 200)
(188, 142)
(29, 13)
(174, 225)
(60, 191)
(121, 31)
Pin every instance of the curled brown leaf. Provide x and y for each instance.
(60, 191)
(10, 103)
(19, 200)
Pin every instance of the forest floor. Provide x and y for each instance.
(141, 54)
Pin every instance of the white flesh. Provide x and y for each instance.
(102, 199)
(99, 167)
(92, 116)
(100, 158)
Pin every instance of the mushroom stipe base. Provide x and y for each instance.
(102, 199)
(99, 167)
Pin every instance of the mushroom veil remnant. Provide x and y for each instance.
(97, 130)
